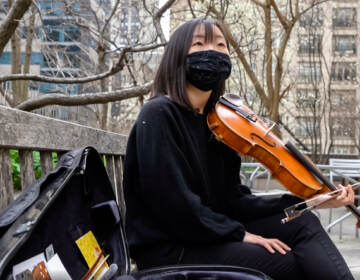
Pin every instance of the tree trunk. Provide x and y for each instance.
(28, 51)
(103, 87)
(275, 117)
(15, 64)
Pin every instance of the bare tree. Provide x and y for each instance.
(116, 55)
(275, 23)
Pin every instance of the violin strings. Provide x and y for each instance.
(353, 186)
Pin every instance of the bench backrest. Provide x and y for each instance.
(347, 167)
(28, 132)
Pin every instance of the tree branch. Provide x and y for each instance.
(191, 9)
(268, 54)
(7, 97)
(315, 3)
(11, 22)
(290, 86)
(84, 99)
(110, 16)
(113, 70)
(261, 4)
(284, 22)
(280, 57)
(241, 56)
(164, 8)
(157, 18)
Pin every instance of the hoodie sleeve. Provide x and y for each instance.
(242, 204)
(165, 184)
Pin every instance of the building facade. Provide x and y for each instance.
(326, 97)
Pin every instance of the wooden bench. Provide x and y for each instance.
(28, 132)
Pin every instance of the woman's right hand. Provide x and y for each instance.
(270, 244)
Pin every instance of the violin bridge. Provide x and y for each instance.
(270, 128)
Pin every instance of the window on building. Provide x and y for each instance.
(53, 30)
(343, 150)
(344, 44)
(307, 99)
(72, 34)
(313, 18)
(343, 71)
(306, 126)
(342, 126)
(309, 72)
(52, 34)
(50, 60)
(49, 8)
(33, 85)
(71, 59)
(309, 44)
(344, 17)
(343, 100)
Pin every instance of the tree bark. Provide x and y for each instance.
(119, 65)
(28, 51)
(11, 22)
(84, 99)
(15, 63)
(103, 87)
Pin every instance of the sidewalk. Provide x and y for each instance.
(349, 245)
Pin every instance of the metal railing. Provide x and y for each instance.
(251, 171)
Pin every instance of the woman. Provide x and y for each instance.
(185, 202)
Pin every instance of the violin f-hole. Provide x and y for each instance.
(253, 136)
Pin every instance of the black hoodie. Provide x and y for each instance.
(182, 186)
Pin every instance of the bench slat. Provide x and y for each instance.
(26, 168)
(6, 181)
(110, 169)
(46, 161)
(118, 162)
(24, 130)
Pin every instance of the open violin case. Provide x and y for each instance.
(51, 214)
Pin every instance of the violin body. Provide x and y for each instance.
(247, 134)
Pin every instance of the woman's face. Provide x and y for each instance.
(218, 42)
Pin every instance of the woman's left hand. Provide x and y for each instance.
(346, 197)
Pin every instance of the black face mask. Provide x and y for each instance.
(207, 69)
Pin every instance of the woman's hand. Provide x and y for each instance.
(270, 244)
(346, 197)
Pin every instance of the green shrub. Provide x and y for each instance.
(37, 166)
(15, 168)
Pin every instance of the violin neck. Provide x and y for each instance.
(354, 187)
(310, 166)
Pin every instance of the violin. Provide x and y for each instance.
(239, 128)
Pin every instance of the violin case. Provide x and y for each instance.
(65, 204)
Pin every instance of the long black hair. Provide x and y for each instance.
(170, 77)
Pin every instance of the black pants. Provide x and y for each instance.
(313, 254)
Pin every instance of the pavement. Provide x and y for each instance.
(347, 243)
